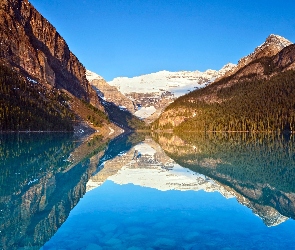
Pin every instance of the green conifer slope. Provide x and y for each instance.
(26, 105)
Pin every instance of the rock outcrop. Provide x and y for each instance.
(31, 45)
(272, 46)
(109, 93)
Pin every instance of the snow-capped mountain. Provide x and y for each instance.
(272, 45)
(151, 93)
(92, 76)
(147, 95)
(177, 83)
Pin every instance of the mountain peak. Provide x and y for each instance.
(273, 42)
(92, 76)
(272, 45)
(277, 40)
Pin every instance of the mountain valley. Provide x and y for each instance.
(148, 95)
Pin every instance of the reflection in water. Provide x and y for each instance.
(118, 146)
(43, 176)
(143, 194)
(259, 169)
(143, 199)
(213, 163)
(147, 165)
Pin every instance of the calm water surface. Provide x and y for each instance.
(132, 217)
(164, 191)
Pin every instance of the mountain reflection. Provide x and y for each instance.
(256, 169)
(43, 176)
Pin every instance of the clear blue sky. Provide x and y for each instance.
(131, 37)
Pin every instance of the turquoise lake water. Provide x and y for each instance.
(162, 191)
(131, 217)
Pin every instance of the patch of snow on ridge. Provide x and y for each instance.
(145, 112)
(277, 40)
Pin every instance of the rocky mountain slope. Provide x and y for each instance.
(272, 45)
(38, 55)
(119, 108)
(256, 96)
(32, 45)
(109, 93)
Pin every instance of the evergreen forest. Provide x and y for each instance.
(26, 105)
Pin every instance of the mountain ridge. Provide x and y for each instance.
(270, 47)
(228, 104)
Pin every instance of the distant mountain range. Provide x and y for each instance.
(147, 96)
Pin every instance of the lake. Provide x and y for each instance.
(155, 191)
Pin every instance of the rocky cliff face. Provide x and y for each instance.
(30, 44)
(108, 92)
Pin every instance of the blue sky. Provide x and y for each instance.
(129, 38)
